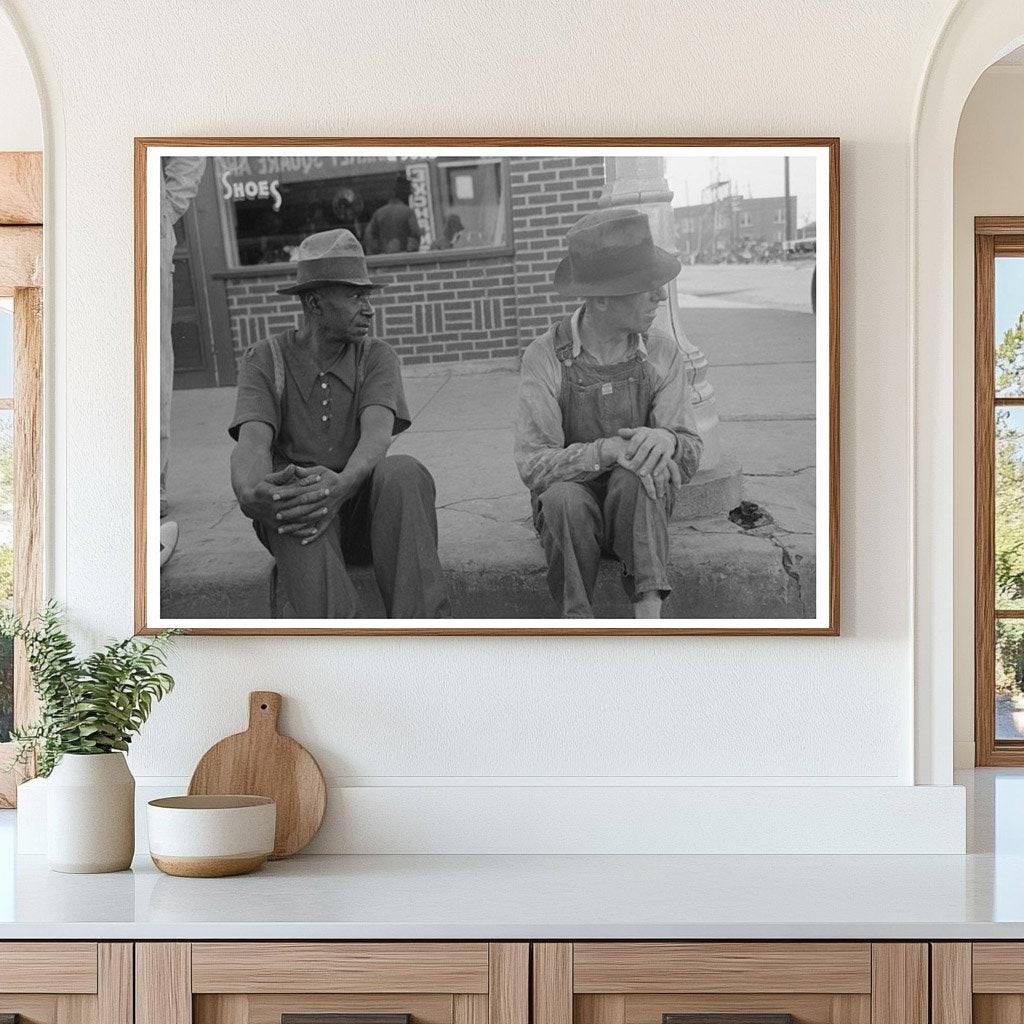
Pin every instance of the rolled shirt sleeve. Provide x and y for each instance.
(179, 182)
(382, 384)
(541, 454)
(182, 176)
(256, 398)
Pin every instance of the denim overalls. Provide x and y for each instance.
(598, 401)
(610, 513)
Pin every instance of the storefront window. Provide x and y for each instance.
(393, 205)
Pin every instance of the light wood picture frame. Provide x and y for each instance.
(234, 255)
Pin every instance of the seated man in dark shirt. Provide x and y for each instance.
(316, 410)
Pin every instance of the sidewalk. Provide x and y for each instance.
(762, 371)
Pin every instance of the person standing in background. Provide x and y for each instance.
(393, 226)
(178, 187)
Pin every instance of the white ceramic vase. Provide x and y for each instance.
(90, 814)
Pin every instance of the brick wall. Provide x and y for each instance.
(549, 195)
(473, 309)
(430, 312)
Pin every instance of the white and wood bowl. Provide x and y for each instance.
(211, 836)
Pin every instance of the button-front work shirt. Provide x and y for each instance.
(316, 419)
(541, 453)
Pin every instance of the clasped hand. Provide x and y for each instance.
(647, 452)
(298, 500)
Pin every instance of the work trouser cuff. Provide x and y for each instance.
(634, 587)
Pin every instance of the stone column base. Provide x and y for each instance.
(712, 492)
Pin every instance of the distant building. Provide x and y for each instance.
(715, 229)
(808, 231)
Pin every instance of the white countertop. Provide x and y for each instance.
(977, 896)
(532, 897)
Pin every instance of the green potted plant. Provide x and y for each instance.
(89, 710)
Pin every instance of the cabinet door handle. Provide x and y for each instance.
(339, 1018)
(728, 1018)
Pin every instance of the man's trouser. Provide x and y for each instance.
(390, 523)
(612, 514)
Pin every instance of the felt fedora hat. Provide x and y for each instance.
(611, 252)
(329, 257)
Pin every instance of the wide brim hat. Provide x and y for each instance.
(611, 253)
(329, 257)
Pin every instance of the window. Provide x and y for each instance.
(780, 216)
(21, 374)
(270, 204)
(6, 511)
(745, 220)
(999, 491)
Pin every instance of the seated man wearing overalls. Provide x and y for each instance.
(605, 430)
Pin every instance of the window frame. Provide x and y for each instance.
(993, 237)
(233, 269)
(21, 253)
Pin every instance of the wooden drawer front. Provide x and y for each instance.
(268, 1009)
(709, 967)
(998, 967)
(648, 1009)
(257, 982)
(48, 967)
(364, 967)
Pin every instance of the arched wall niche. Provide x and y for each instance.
(975, 34)
(21, 116)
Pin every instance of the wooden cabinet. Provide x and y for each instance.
(259, 982)
(815, 982)
(980, 982)
(66, 982)
(492, 983)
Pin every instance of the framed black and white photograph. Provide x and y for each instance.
(506, 386)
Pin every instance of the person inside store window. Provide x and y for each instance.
(453, 228)
(347, 207)
(393, 228)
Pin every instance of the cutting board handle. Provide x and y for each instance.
(264, 710)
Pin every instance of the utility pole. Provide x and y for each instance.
(789, 214)
(639, 183)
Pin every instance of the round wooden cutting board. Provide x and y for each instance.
(262, 762)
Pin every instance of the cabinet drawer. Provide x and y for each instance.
(66, 982)
(749, 982)
(48, 967)
(340, 967)
(260, 982)
(634, 967)
(980, 982)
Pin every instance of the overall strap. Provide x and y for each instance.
(561, 342)
(360, 364)
(278, 357)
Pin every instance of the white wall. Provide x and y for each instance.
(988, 181)
(446, 712)
(21, 124)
